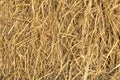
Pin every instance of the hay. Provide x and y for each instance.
(59, 39)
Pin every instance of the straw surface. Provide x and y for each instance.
(59, 39)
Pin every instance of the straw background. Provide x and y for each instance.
(59, 39)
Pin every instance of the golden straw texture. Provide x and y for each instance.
(59, 39)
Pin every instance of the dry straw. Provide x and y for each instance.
(59, 39)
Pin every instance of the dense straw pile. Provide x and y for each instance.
(59, 39)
